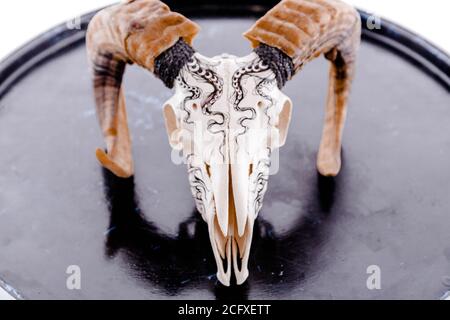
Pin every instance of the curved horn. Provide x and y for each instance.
(297, 31)
(135, 31)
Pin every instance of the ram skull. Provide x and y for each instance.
(227, 117)
(228, 114)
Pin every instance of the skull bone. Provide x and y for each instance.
(227, 117)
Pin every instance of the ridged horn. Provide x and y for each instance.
(134, 31)
(297, 31)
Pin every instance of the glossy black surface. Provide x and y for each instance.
(141, 238)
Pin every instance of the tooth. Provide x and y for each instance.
(222, 276)
(220, 239)
(226, 276)
(241, 275)
(244, 249)
(219, 179)
(240, 181)
(241, 242)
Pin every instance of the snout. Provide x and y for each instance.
(231, 225)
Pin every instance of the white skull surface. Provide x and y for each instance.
(227, 117)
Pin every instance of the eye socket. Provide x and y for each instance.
(208, 170)
(194, 106)
(260, 104)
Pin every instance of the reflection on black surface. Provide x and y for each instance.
(176, 262)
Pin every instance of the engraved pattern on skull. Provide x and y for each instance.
(227, 112)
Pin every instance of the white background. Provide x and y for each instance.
(21, 20)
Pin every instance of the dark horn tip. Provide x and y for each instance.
(169, 63)
(279, 62)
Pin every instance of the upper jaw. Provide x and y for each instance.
(231, 251)
(230, 222)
